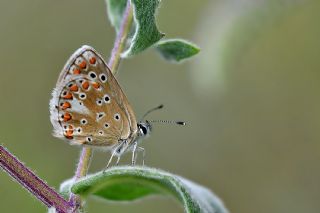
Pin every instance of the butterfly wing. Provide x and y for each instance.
(88, 105)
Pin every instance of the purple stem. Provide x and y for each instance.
(121, 38)
(32, 182)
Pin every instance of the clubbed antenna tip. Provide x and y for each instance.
(181, 123)
(151, 110)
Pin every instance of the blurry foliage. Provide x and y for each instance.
(228, 30)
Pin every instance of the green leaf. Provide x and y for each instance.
(176, 49)
(132, 183)
(116, 9)
(146, 31)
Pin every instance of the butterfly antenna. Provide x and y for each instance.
(151, 110)
(181, 123)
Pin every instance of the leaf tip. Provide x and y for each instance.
(176, 50)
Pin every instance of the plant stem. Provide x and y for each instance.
(30, 181)
(82, 170)
(119, 45)
(121, 38)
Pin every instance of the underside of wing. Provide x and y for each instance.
(88, 105)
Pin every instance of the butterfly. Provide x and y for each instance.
(88, 107)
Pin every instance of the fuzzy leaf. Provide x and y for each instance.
(146, 31)
(176, 49)
(132, 183)
(116, 9)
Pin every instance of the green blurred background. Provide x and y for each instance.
(251, 99)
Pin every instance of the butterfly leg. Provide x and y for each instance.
(113, 153)
(141, 149)
(117, 151)
(117, 163)
(134, 156)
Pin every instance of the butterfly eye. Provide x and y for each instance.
(106, 99)
(143, 130)
(82, 96)
(83, 121)
(103, 78)
(92, 75)
(117, 116)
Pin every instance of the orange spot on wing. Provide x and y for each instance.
(76, 72)
(68, 96)
(85, 85)
(69, 134)
(96, 85)
(74, 88)
(66, 105)
(66, 117)
(83, 65)
(92, 60)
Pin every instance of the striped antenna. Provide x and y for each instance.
(181, 123)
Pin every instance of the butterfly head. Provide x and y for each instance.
(144, 128)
